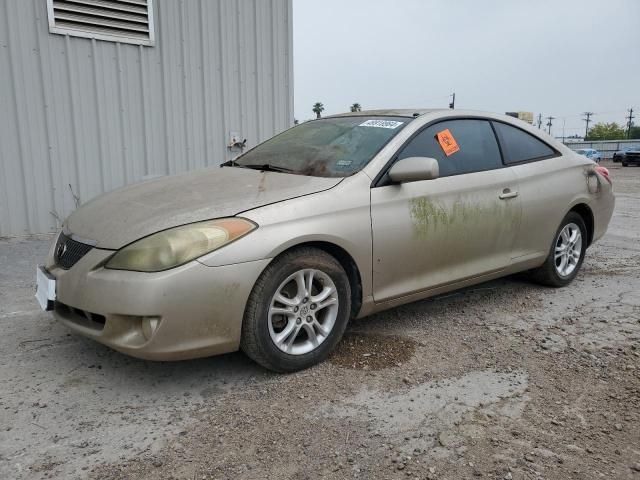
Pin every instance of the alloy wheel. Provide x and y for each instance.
(568, 249)
(303, 311)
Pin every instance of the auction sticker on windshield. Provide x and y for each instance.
(381, 124)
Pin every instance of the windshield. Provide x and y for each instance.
(328, 147)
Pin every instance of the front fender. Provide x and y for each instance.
(340, 216)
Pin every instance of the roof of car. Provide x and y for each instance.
(404, 112)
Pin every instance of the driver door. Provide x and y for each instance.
(431, 233)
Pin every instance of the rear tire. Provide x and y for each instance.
(297, 311)
(625, 164)
(566, 254)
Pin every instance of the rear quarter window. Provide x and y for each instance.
(520, 146)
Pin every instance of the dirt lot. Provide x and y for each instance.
(506, 380)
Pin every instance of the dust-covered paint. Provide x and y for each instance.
(428, 216)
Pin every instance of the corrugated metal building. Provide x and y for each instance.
(98, 94)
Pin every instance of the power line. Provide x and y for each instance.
(609, 112)
(629, 121)
(587, 120)
(550, 122)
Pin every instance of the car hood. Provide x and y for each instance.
(118, 218)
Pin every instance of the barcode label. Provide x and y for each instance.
(381, 124)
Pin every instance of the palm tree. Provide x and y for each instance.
(318, 108)
(356, 107)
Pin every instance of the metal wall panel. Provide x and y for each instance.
(79, 117)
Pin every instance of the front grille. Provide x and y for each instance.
(68, 251)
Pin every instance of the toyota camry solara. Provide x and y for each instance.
(334, 219)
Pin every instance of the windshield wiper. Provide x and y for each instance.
(267, 168)
(229, 163)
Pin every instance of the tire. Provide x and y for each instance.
(304, 317)
(625, 164)
(550, 273)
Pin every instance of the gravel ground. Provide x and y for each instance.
(505, 380)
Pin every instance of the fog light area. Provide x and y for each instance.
(149, 326)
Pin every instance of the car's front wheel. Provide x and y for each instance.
(566, 254)
(297, 310)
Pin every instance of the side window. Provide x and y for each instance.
(475, 138)
(520, 146)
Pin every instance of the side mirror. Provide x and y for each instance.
(414, 169)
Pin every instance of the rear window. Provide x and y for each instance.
(520, 146)
(328, 147)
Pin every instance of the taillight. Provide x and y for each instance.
(605, 173)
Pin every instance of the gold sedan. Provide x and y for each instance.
(333, 219)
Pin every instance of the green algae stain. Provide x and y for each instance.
(430, 217)
(425, 215)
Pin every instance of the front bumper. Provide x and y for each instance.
(197, 310)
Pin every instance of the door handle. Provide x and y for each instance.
(507, 193)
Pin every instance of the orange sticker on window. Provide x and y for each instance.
(447, 142)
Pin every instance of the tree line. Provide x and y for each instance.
(611, 131)
(318, 108)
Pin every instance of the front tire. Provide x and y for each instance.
(297, 311)
(566, 254)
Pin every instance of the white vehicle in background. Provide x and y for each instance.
(590, 153)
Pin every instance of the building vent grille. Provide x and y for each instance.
(128, 21)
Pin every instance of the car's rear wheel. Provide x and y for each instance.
(566, 255)
(297, 311)
(625, 164)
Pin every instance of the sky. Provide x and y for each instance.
(556, 57)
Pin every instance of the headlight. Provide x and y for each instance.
(177, 246)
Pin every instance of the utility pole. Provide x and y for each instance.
(629, 122)
(452, 103)
(588, 120)
(539, 121)
(550, 122)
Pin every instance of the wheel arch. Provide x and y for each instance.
(348, 263)
(586, 213)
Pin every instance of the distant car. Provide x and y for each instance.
(594, 155)
(629, 155)
(335, 218)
